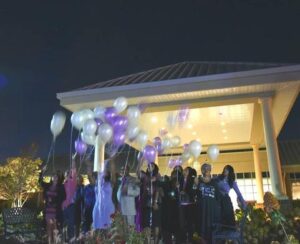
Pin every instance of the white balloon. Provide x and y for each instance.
(88, 139)
(132, 131)
(166, 143)
(142, 139)
(77, 120)
(185, 156)
(172, 120)
(90, 127)
(120, 104)
(99, 112)
(133, 114)
(195, 148)
(57, 123)
(213, 152)
(175, 141)
(87, 114)
(105, 132)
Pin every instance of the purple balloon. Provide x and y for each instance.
(110, 114)
(156, 141)
(80, 147)
(120, 123)
(98, 121)
(178, 161)
(149, 153)
(185, 147)
(183, 114)
(171, 163)
(119, 138)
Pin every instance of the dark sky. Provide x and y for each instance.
(47, 48)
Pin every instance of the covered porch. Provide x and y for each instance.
(241, 107)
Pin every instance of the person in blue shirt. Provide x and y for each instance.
(89, 202)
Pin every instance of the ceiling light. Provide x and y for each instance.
(190, 126)
(154, 119)
(224, 130)
(194, 133)
(223, 123)
(225, 137)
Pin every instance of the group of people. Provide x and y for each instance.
(172, 207)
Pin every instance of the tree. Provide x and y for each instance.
(18, 178)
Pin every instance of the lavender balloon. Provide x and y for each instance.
(183, 115)
(98, 121)
(110, 114)
(157, 144)
(120, 123)
(119, 138)
(185, 147)
(149, 153)
(80, 147)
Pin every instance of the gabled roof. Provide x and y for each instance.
(182, 70)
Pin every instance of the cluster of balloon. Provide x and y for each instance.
(213, 152)
(57, 123)
(110, 125)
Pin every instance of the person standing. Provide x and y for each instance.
(226, 182)
(128, 191)
(54, 195)
(208, 197)
(104, 206)
(78, 201)
(89, 202)
(68, 204)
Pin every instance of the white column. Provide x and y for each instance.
(272, 148)
(156, 159)
(258, 176)
(99, 155)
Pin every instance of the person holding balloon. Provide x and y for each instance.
(54, 195)
(226, 182)
(154, 194)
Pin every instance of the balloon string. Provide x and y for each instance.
(126, 163)
(53, 155)
(151, 199)
(50, 151)
(71, 142)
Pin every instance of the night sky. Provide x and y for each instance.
(47, 48)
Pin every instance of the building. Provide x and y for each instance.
(241, 107)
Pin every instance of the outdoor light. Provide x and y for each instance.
(154, 119)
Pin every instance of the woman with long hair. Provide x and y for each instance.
(153, 195)
(226, 182)
(54, 195)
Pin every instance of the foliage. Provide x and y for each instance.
(118, 233)
(260, 228)
(18, 178)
